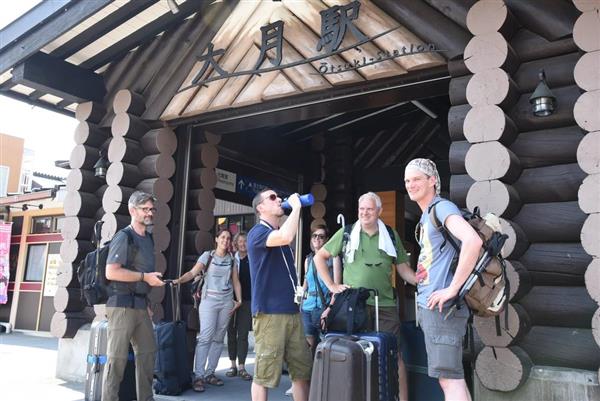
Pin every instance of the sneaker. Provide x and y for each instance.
(288, 392)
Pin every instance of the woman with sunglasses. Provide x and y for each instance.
(217, 306)
(317, 293)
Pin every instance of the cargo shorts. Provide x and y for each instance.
(443, 341)
(279, 338)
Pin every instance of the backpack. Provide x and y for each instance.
(490, 290)
(349, 311)
(198, 283)
(91, 272)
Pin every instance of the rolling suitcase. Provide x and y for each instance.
(171, 373)
(345, 369)
(387, 354)
(96, 361)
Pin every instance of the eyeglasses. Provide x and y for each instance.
(318, 236)
(146, 209)
(270, 197)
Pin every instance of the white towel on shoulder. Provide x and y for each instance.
(385, 242)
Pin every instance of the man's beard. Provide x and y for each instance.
(147, 221)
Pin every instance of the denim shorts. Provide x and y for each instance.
(443, 341)
(311, 321)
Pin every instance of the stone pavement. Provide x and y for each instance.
(28, 365)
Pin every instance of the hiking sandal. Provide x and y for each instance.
(198, 386)
(213, 380)
(232, 372)
(244, 375)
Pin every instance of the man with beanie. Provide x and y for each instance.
(439, 280)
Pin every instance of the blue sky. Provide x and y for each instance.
(48, 133)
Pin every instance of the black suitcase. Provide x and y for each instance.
(171, 373)
(96, 361)
(345, 369)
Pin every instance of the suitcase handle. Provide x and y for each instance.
(174, 291)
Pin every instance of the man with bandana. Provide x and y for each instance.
(439, 283)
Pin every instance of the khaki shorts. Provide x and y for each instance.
(443, 341)
(279, 338)
(389, 321)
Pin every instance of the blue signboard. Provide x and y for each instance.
(249, 187)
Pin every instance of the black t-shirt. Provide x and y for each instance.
(244, 274)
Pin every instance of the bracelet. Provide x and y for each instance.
(142, 279)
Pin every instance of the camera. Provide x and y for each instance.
(299, 295)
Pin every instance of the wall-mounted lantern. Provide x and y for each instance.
(101, 166)
(542, 99)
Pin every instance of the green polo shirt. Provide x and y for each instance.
(372, 267)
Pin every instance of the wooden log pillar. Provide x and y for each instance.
(489, 162)
(80, 206)
(201, 204)
(141, 159)
(318, 188)
(587, 76)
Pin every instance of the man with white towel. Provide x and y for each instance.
(370, 259)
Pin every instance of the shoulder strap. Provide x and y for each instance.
(390, 231)
(131, 247)
(316, 278)
(441, 228)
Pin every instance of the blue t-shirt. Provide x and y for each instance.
(433, 258)
(313, 300)
(272, 288)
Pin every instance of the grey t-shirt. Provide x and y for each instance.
(217, 281)
(118, 252)
(434, 259)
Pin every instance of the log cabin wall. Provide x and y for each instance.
(587, 75)
(82, 207)
(524, 169)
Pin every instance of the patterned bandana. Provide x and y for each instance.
(428, 168)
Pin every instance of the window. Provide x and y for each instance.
(17, 225)
(46, 224)
(36, 262)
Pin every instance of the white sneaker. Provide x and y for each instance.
(288, 392)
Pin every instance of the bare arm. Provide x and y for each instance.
(237, 287)
(116, 272)
(321, 264)
(305, 284)
(286, 233)
(407, 273)
(469, 252)
(190, 274)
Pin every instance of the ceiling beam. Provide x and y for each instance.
(37, 103)
(102, 27)
(144, 34)
(47, 74)
(34, 37)
(32, 18)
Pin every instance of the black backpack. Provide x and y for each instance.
(349, 311)
(91, 272)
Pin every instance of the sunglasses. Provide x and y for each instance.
(373, 264)
(270, 197)
(318, 236)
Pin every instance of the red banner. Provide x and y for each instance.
(4, 260)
